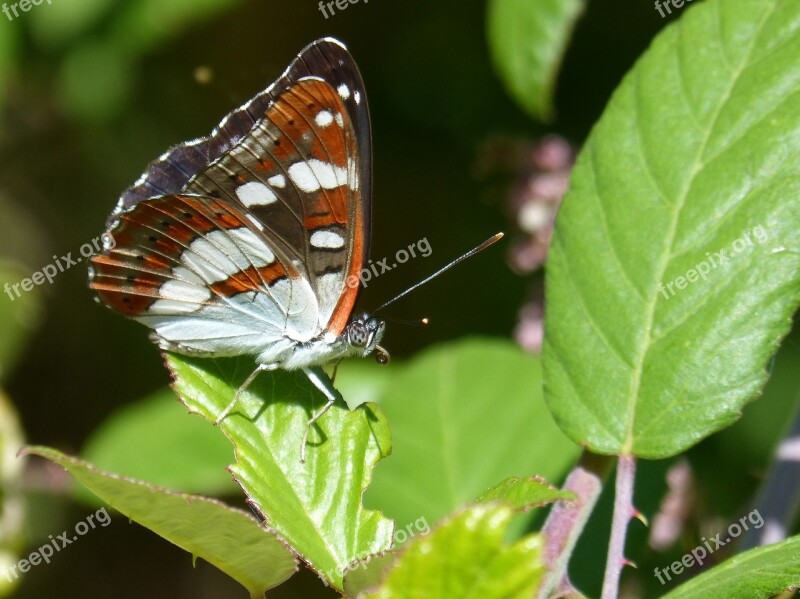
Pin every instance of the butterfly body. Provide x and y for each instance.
(243, 242)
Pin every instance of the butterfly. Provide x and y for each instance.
(246, 242)
(243, 242)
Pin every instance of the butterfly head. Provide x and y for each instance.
(364, 333)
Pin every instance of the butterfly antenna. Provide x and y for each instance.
(469, 254)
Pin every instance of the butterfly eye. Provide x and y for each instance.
(358, 334)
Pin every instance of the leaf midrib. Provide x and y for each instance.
(650, 306)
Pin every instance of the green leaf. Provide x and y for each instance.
(316, 505)
(524, 493)
(698, 152)
(155, 440)
(761, 572)
(527, 42)
(19, 318)
(228, 538)
(465, 556)
(464, 415)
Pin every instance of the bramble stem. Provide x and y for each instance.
(623, 512)
(567, 519)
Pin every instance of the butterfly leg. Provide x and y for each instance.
(321, 382)
(259, 369)
(335, 370)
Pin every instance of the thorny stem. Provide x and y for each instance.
(566, 521)
(623, 512)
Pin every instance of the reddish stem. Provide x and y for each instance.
(623, 512)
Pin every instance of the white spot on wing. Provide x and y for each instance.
(339, 119)
(329, 288)
(327, 240)
(186, 275)
(255, 222)
(167, 307)
(315, 174)
(323, 118)
(184, 292)
(357, 97)
(278, 181)
(255, 193)
(344, 91)
(222, 254)
(254, 251)
(352, 174)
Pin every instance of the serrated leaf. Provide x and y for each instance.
(465, 556)
(316, 505)
(226, 537)
(698, 152)
(462, 415)
(524, 493)
(155, 440)
(527, 41)
(761, 572)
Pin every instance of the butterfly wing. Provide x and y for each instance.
(297, 158)
(195, 271)
(245, 239)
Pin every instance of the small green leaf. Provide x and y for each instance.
(155, 440)
(527, 41)
(697, 153)
(462, 417)
(465, 556)
(524, 493)
(761, 572)
(228, 538)
(316, 505)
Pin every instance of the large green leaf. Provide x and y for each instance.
(316, 505)
(228, 538)
(760, 572)
(155, 440)
(698, 152)
(527, 41)
(464, 415)
(465, 556)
